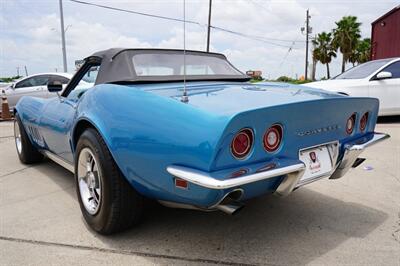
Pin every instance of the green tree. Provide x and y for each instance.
(324, 50)
(346, 37)
(362, 52)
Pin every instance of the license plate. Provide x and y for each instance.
(318, 162)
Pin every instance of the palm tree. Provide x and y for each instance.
(324, 50)
(362, 52)
(353, 58)
(346, 36)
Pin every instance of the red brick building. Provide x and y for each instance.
(385, 36)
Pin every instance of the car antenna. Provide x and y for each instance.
(185, 98)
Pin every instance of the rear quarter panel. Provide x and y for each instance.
(146, 133)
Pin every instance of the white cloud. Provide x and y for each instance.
(34, 39)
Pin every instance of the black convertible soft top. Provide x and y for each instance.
(118, 66)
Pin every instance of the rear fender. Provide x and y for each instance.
(145, 133)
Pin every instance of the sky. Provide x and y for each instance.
(30, 30)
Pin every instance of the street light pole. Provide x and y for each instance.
(307, 32)
(64, 52)
(209, 26)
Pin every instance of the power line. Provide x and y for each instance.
(136, 12)
(260, 5)
(257, 38)
(286, 55)
(272, 39)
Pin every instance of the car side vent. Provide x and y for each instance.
(35, 134)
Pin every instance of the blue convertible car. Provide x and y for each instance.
(188, 129)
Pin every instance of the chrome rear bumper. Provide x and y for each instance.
(207, 180)
(353, 150)
(292, 170)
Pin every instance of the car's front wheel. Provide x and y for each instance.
(108, 202)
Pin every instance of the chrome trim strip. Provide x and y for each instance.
(378, 137)
(57, 159)
(352, 151)
(205, 179)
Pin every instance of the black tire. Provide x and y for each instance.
(120, 206)
(28, 153)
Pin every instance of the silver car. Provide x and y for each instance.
(34, 85)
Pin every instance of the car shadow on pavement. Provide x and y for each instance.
(269, 230)
(294, 230)
(395, 119)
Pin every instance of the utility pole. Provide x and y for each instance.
(307, 32)
(17, 71)
(64, 52)
(314, 61)
(26, 71)
(209, 26)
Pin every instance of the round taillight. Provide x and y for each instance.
(272, 138)
(242, 143)
(363, 122)
(351, 121)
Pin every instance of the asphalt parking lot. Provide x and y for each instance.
(354, 220)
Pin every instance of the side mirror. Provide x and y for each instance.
(54, 86)
(383, 75)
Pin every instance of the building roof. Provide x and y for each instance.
(397, 8)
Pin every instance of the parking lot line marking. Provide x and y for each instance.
(14, 172)
(122, 252)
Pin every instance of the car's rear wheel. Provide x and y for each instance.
(109, 204)
(27, 153)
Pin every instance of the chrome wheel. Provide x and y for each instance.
(89, 181)
(17, 136)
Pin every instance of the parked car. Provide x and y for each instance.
(4, 84)
(379, 79)
(193, 135)
(34, 85)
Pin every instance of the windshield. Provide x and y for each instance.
(162, 64)
(363, 70)
(91, 75)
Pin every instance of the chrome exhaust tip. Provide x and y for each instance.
(357, 162)
(230, 204)
(231, 208)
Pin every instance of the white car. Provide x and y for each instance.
(379, 79)
(34, 85)
(4, 84)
